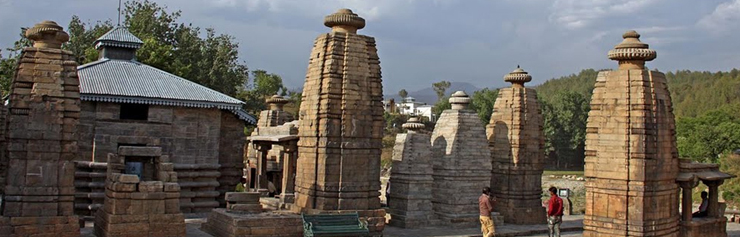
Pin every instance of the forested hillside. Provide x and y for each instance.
(706, 105)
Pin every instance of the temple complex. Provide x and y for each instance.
(517, 146)
(461, 164)
(631, 157)
(128, 103)
(410, 201)
(41, 136)
(341, 124)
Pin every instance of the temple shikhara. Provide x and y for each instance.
(118, 148)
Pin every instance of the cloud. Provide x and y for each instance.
(726, 16)
(370, 10)
(659, 29)
(576, 14)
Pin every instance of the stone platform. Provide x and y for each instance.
(195, 221)
(277, 223)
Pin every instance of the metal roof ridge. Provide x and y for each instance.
(93, 63)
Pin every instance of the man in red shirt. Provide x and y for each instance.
(554, 212)
(485, 204)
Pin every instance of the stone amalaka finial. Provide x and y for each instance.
(276, 102)
(47, 34)
(413, 125)
(632, 53)
(518, 77)
(459, 100)
(345, 21)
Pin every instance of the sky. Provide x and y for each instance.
(425, 41)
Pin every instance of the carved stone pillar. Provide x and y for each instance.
(686, 201)
(287, 195)
(713, 208)
(261, 176)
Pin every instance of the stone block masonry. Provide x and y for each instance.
(41, 136)
(461, 163)
(205, 145)
(341, 125)
(135, 208)
(517, 145)
(631, 157)
(410, 197)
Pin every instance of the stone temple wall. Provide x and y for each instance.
(410, 197)
(205, 145)
(517, 149)
(461, 163)
(631, 157)
(341, 125)
(3, 157)
(41, 132)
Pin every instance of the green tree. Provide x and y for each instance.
(9, 64)
(82, 37)
(565, 126)
(170, 45)
(482, 102)
(264, 85)
(707, 137)
(440, 88)
(403, 94)
(441, 105)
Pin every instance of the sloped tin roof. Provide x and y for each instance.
(119, 37)
(124, 81)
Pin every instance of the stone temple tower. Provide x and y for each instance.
(461, 163)
(631, 157)
(341, 125)
(410, 201)
(41, 133)
(517, 146)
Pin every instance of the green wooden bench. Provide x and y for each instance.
(348, 224)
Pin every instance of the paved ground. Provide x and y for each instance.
(572, 226)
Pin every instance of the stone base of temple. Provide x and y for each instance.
(410, 220)
(459, 221)
(277, 223)
(527, 216)
(706, 227)
(57, 226)
(152, 225)
(598, 227)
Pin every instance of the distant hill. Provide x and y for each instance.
(427, 95)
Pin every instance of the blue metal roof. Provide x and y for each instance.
(125, 81)
(119, 37)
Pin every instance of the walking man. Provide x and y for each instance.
(485, 204)
(554, 212)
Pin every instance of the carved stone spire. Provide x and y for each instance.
(413, 125)
(344, 20)
(518, 77)
(631, 52)
(459, 100)
(47, 34)
(276, 102)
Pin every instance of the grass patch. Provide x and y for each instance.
(563, 172)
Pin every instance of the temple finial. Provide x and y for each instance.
(344, 20)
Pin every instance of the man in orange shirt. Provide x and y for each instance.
(485, 204)
(554, 212)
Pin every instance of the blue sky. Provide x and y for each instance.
(424, 41)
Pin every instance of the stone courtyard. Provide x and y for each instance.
(81, 162)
